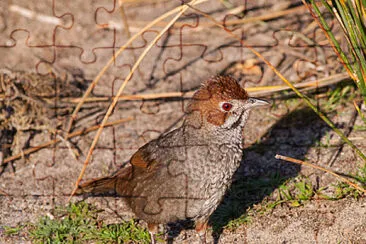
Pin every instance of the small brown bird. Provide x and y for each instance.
(185, 173)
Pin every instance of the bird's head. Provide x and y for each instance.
(221, 104)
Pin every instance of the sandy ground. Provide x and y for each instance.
(76, 40)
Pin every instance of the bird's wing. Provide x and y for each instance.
(157, 153)
(140, 161)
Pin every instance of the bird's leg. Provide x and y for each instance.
(153, 229)
(201, 227)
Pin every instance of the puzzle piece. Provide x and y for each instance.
(72, 36)
(25, 37)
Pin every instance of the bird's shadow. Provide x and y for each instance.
(260, 173)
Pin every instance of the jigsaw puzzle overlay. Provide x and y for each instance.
(51, 51)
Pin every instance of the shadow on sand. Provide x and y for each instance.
(260, 173)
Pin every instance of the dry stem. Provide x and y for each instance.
(296, 161)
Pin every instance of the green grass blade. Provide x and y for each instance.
(335, 44)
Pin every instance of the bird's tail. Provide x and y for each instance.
(97, 186)
(116, 183)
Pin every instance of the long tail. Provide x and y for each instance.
(116, 183)
(100, 185)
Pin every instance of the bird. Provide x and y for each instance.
(185, 173)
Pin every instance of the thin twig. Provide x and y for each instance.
(71, 135)
(74, 154)
(296, 161)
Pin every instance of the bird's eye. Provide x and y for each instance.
(226, 106)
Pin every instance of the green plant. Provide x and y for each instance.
(13, 230)
(292, 192)
(341, 94)
(305, 190)
(235, 223)
(69, 225)
(122, 233)
(343, 190)
(360, 176)
(351, 16)
(77, 223)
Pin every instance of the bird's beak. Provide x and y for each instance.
(255, 102)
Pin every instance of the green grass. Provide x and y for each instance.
(359, 128)
(294, 193)
(13, 230)
(78, 223)
(360, 175)
(340, 95)
(351, 17)
(235, 223)
(343, 190)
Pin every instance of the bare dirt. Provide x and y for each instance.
(77, 40)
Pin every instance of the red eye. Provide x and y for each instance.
(227, 106)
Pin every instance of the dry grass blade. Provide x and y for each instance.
(183, 8)
(296, 161)
(136, 97)
(269, 16)
(253, 91)
(326, 81)
(57, 140)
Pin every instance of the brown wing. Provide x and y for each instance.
(139, 161)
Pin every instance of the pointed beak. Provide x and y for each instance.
(255, 102)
